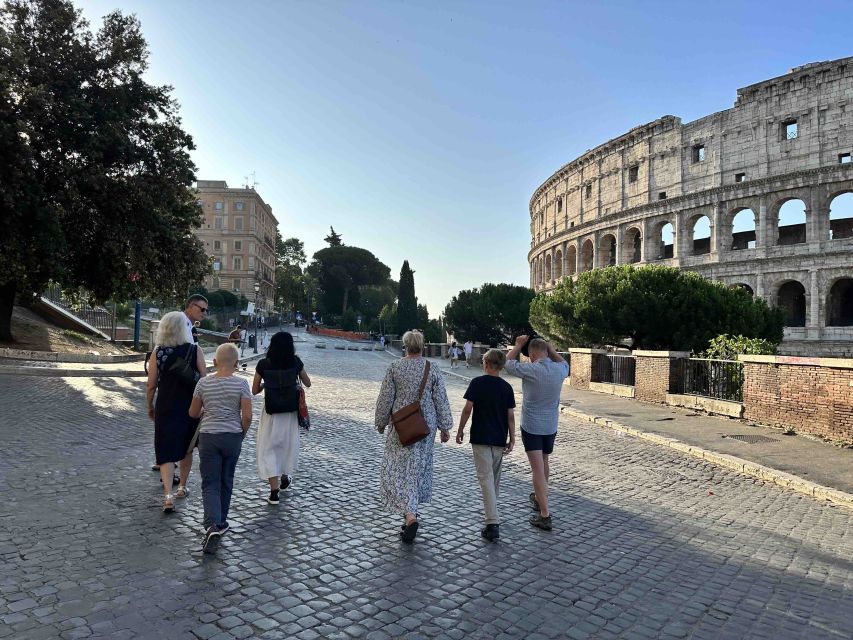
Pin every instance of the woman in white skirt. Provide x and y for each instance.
(277, 441)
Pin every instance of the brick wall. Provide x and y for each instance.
(655, 372)
(804, 393)
(581, 368)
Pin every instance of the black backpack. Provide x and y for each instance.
(281, 390)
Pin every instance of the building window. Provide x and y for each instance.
(238, 246)
(790, 131)
(216, 283)
(217, 245)
(238, 224)
(588, 192)
(238, 263)
(238, 206)
(559, 205)
(218, 206)
(844, 158)
(740, 177)
(662, 195)
(634, 173)
(699, 153)
(236, 284)
(217, 223)
(251, 263)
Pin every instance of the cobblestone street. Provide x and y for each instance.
(647, 543)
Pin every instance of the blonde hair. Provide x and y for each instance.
(172, 332)
(226, 354)
(413, 341)
(495, 358)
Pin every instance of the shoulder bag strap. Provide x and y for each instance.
(423, 381)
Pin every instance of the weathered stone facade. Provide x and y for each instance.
(786, 140)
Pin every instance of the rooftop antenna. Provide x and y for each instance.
(254, 184)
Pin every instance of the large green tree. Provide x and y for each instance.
(289, 277)
(493, 314)
(95, 178)
(341, 270)
(656, 307)
(407, 302)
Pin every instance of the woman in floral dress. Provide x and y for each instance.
(405, 474)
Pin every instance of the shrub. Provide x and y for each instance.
(728, 347)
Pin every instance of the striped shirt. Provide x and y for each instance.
(220, 397)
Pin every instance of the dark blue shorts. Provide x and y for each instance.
(533, 442)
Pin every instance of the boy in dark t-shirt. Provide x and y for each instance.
(492, 401)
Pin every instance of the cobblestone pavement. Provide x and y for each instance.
(647, 543)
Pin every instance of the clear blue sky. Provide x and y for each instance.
(419, 130)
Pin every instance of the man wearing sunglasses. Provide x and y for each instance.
(195, 311)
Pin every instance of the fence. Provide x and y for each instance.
(615, 369)
(719, 379)
(96, 316)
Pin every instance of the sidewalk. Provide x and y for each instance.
(800, 463)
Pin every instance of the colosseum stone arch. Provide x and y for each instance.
(758, 196)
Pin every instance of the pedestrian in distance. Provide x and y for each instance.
(453, 352)
(194, 331)
(234, 336)
(173, 369)
(224, 403)
(468, 348)
(405, 472)
(541, 383)
(492, 401)
(279, 376)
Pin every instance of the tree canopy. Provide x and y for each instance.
(289, 277)
(407, 302)
(341, 270)
(334, 239)
(96, 182)
(656, 307)
(493, 314)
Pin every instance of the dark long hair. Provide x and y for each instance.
(280, 353)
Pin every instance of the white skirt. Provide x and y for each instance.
(277, 444)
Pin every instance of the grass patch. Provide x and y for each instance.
(77, 336)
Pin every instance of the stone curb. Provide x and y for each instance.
(746, 467)
(49, 372)
(79, 358)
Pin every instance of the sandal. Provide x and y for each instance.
(409, 532)
(182, 492)
(168, 505)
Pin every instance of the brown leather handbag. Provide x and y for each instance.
(409, 421)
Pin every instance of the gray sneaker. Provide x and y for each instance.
(541, 522)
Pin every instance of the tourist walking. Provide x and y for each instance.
(194, 311)
(468, 348)
(225, 405)
(279, 375)
(173, 369)
(453, 352)
(405, 473)
(541, 383)
(234, 336)
(492, 401)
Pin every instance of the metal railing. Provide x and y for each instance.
(615, 369)
(96, 316)
(719, 379)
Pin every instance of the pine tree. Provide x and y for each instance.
(334, 239)
(407, 303)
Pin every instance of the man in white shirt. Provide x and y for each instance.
(195, 310)
(469, 348)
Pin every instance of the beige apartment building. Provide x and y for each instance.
(238, 232)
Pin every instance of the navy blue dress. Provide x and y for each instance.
(173, 427)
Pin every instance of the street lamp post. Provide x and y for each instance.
(257, 289)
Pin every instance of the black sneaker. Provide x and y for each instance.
(273, 499)
(223, 528)
(541, 522)
(534, 502)
(491, 532)
(285, 483)
(211, 540)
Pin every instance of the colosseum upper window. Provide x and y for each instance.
(844, 158)
(699, 153)
(633, 173)
(790, 130)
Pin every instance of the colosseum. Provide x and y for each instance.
(758, 196)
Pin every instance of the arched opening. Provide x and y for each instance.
(571, 260)
(792, 223)
(791, 299)
(839, 304)
(701, 233)
(537, 277)
(745, 287)
(633, 249)
(587, 253)
(743, 230)
(558, 265)
(841, 217)
(666, 242)
(548, 267)
(607, 251)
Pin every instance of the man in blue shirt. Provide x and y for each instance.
(541, 383)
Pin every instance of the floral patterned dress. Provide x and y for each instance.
(405, 474)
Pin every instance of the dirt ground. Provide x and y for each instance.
(34, 333)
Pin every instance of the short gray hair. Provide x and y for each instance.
(413, 341)
(172, 332)
(538, 345)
